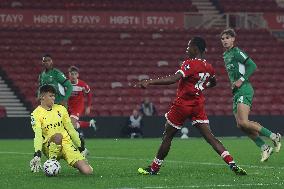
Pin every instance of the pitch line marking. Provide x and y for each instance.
(215, 186)
(208, 186)
(168, 161)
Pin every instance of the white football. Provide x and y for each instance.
(51, 167)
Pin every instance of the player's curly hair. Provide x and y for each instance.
(47, 88)
(229, 31)
(200, 43)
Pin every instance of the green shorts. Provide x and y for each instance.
(243, 95)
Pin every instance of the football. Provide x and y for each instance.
(51, 167)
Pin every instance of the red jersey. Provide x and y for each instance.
(196, 73)
(76, 101)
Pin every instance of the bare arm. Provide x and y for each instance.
(167, 80)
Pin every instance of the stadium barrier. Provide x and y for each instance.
(112, 127)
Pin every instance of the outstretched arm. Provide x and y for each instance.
(171, 79)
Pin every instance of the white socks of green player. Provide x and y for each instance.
(264, 147)
(273, 136)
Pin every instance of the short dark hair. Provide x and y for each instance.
(229, 31)
(47, 88)
(73, 68)
(46, 55)
(200, 43)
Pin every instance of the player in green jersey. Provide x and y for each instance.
(56, 78)
(240, 67)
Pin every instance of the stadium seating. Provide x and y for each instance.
(249, 6)
(103, 5)
(111, 65)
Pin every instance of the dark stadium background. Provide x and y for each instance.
(116, 43)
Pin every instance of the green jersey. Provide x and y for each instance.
(239, 66)
(57, 79)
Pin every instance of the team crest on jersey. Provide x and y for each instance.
(59, 114)
(50, 79)
(187, 67)
(32, 120)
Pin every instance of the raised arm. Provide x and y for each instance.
(167, 80)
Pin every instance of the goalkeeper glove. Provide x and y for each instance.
(35, 163)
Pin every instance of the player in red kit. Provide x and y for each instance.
(194, 76)
(76, 104)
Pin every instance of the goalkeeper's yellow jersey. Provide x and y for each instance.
(46, 123)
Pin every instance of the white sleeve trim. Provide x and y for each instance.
(76, 117)
(88, 91)
(183, 75)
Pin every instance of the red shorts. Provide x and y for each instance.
(179, 113)
(76, 112)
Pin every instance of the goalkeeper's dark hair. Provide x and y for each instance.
(47, 88)
(46, 56)
(200, 43)
(229, 31)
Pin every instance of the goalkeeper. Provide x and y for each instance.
(55, 135)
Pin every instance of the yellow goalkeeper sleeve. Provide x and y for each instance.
(38, 139)
(70, 129)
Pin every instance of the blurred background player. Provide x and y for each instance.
(55, 135)
(56, 78)
(148, 108)
(76, 104)
(240, 67)
(194, 76)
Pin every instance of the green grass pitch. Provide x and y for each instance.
(190, 164)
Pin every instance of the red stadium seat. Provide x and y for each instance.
(104, 57)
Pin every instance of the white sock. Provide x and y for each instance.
(158, 161)
(264, 147)
(273, 136)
